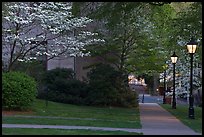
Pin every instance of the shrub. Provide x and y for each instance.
(33, 68)
(62, 87)
(107, 87)
(19, 90)
(61, 73)
(68, 91)
(49, 80)
(128, 99)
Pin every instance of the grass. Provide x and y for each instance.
(68, 110)
(181, 112)
(30, 131)
(70, 122)
(103, 117)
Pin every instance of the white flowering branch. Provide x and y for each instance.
(32, 29)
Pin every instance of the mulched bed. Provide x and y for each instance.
(4, 112)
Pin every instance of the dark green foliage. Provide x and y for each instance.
(35, 69)
(60, 86)
(68, 91)
(76, 8)
(18, 90)
(61, 73)
(107, 88)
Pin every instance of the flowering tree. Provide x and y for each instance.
(187, 23)
(33, 29)
(182, 76)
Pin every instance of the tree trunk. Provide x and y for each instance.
(156, 83)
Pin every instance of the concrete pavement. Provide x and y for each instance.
(159, 99)
(70, 127)
(157, 121)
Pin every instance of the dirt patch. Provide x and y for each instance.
(17, 112)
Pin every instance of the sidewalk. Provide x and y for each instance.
(70, 127)
(154, 120)
(157, 121)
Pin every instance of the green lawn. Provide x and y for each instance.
(68, 110)
(30, 131)
(70, 122)
(181, 112)
(104, 117)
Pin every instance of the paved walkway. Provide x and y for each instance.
(71, 127)
(154, 119)
(157, 121)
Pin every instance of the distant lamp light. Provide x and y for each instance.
(191, 46)
(174, 58)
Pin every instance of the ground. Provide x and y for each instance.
(16, 112)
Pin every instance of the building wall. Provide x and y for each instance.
(78, 64)
(60, 62)
(82, 64)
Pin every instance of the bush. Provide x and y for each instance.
(19, 90)
(62, 87)
(34, 68)
(50, 78)
(70, 91)
(128, 99)
(61, 73)
(107, 88)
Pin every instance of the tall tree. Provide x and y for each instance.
(135, 34)
(132, 30)
(141, 37)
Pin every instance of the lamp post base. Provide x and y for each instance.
(174, 105)
(191, 108)
(164, 101)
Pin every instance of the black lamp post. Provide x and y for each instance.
(191, 46)
(164, 91)
(174, 59)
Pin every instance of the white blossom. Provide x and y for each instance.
(46, 28)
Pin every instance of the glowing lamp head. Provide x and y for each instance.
(174, 58)
(191, 46)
